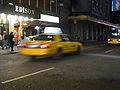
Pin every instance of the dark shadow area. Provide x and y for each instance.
(51, 60)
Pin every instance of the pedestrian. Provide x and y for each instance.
(10, 41)
(4, 40)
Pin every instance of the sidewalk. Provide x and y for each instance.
(6, 52)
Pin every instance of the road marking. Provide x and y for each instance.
(24, 76)
(102, 55)
(108, 51)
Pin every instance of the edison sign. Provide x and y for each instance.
(21, 9)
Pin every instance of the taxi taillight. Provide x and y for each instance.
(108, 39)
(21, 45)
(45, 45)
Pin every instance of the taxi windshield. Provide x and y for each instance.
(44, 38)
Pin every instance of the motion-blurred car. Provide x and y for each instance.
(114, 40)
(53, 45)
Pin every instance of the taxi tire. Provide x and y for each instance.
(32, 57)
(58, 54)
(78, 51)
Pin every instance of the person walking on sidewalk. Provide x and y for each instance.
(4, 40)
(10, 41)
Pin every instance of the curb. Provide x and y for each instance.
(9, 52)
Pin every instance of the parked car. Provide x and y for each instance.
(53, 45)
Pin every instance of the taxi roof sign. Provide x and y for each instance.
(53, 30)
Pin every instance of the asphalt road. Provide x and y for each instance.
(97, 68)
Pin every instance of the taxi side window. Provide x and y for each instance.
(64, 38)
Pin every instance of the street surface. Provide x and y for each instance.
(97, 68)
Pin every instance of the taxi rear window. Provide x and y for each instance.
(44, 37)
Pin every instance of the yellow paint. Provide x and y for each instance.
(66, 47)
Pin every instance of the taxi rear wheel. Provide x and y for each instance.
(58, 54)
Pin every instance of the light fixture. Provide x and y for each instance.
(31, 19)
(49, 18)
(37, 27)
(20, 18)
(9, 16)
(26, 19)
(3, 16)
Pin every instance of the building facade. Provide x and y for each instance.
(27, 17)
(82, 19)
(90, 19)
(115, 16)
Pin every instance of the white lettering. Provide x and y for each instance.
(16, 8)
(24, 10)
(33, 12)
(29, 11)
(20, 9)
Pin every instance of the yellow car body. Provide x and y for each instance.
(50, 46)
(114, 40)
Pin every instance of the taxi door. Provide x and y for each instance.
(66, 44)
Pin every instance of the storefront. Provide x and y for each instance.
(24, 21)
(12, 18)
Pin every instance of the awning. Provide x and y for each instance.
(84, 17)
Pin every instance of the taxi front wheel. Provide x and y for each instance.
(77, 52)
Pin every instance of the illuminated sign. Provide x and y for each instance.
(53, 30)
(24, 10)
(115, 5)
(49, 18)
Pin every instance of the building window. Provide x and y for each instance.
(41, 4)
(47, 5)
(24, 2)
(33, 3)
(53, 5)
(16, 1)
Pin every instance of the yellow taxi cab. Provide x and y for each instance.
(54, 45)
(114, 40)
